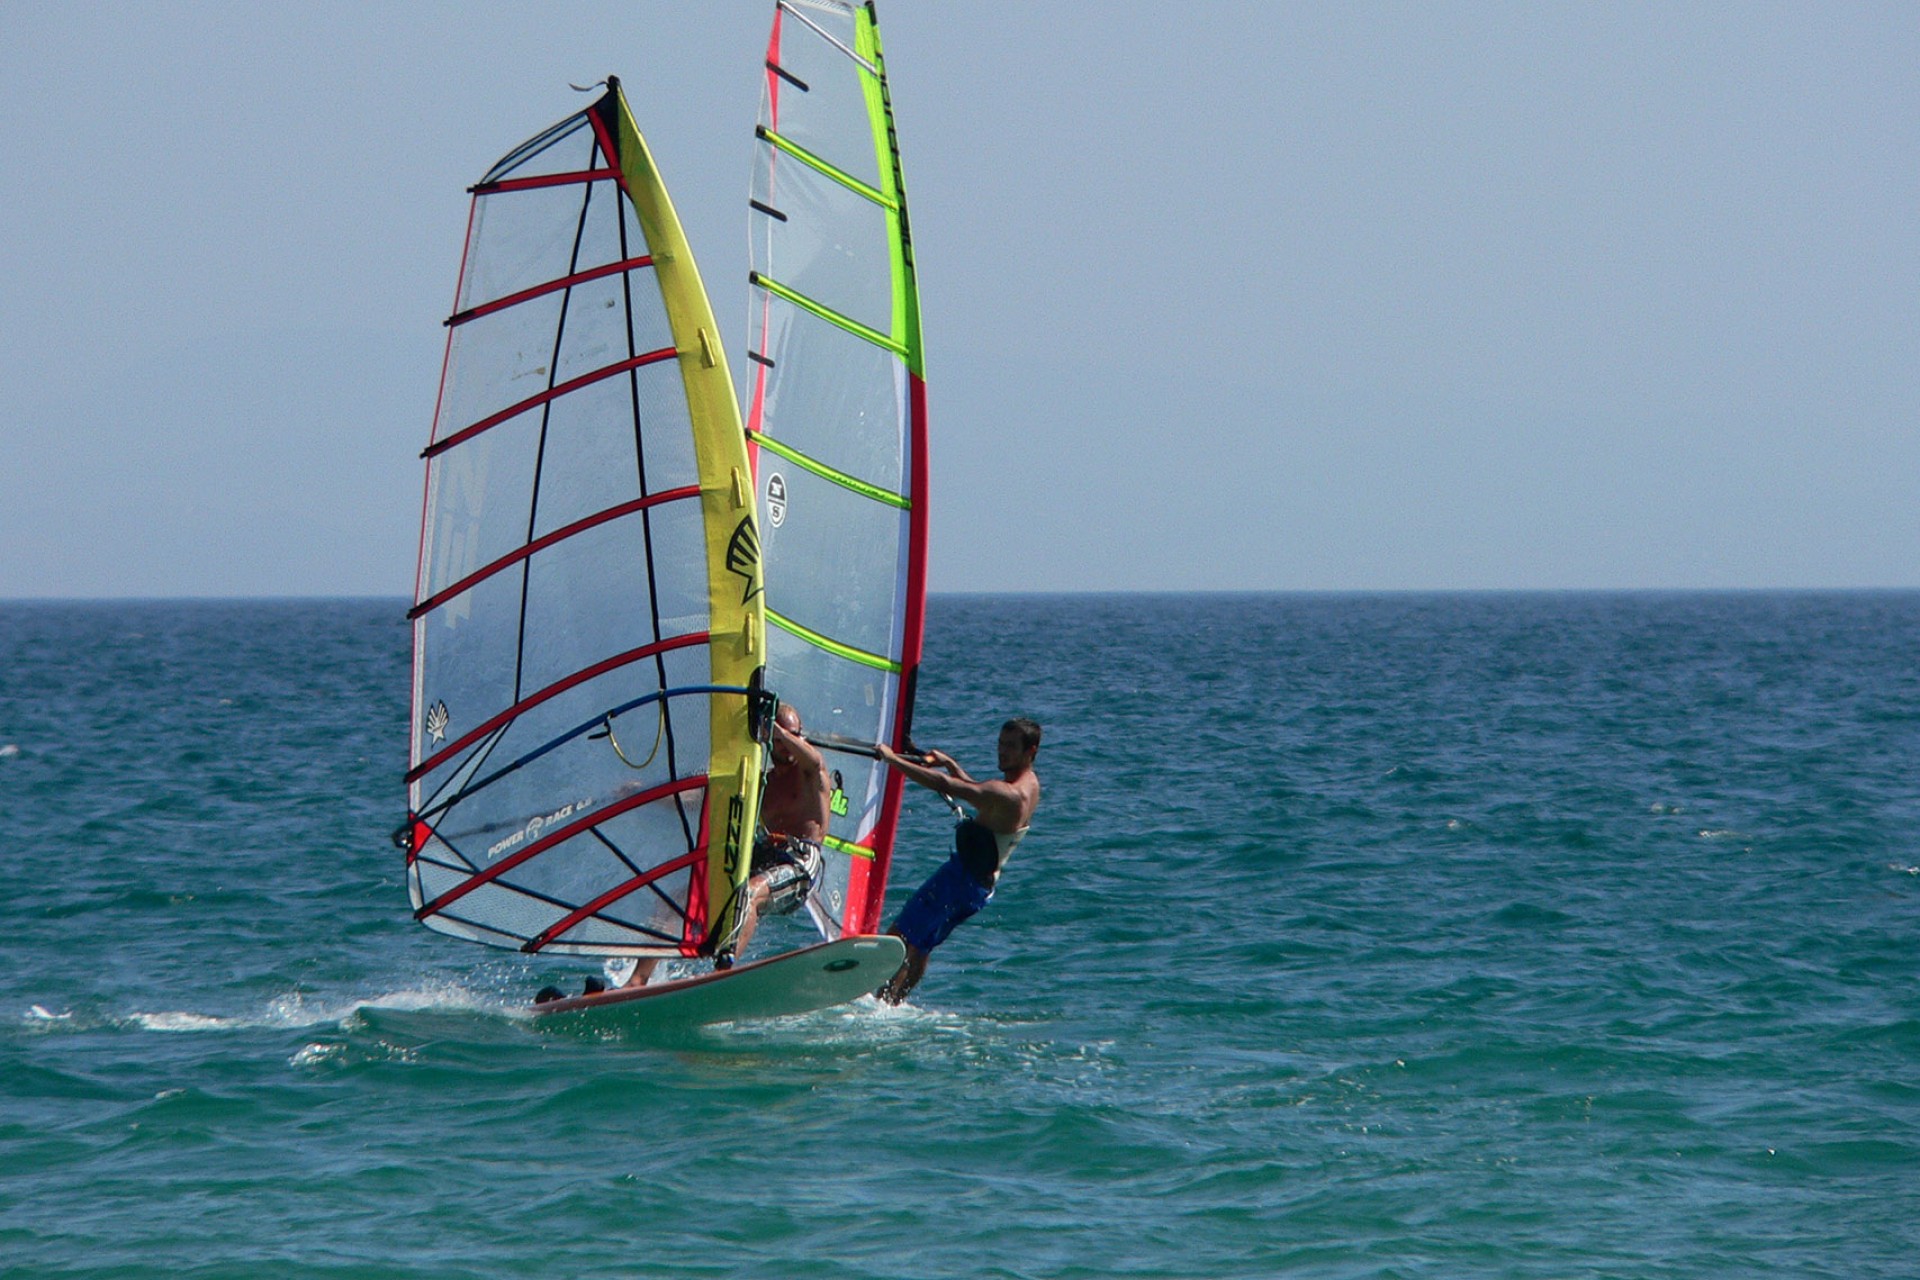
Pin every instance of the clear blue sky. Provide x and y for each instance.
(1216, 295)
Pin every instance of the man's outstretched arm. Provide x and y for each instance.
(993, 799)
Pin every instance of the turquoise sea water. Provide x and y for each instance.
(1506, 936)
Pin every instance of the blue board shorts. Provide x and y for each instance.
(949, 896)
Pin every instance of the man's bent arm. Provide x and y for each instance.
(993, 799)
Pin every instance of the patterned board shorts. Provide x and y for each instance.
(792, 867)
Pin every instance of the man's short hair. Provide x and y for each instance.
(1028, 730)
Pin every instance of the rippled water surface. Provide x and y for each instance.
(1530, 936)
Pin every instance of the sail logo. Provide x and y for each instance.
(437, 720)
(776, 499)
(736, 812)
(743, 556)
(536, 825)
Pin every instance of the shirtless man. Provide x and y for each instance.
(982, 844)
(794, 813)
(786, 850)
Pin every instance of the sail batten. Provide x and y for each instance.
(832, 646)
(841, 478)
(821, 166)
(821, 309)
(540, 290)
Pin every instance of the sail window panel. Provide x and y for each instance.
(839, 552)
(510, 814)
(497, 361)
(582, 868)
(478, 502)
(833, 245)
(544, 762)
(835, 397)
(574, 620)
(666, 427)
(585, 468)
(830, 119)
(433, 880)
(852, 699)
(597, 332)
(468, 651)
(657, 738)
(523, 239)
(848, 698)
(599, 935)
(568, 147)
(502, 907)
(653, 740)
(438, 853)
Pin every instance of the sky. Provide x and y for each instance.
(1216, 296)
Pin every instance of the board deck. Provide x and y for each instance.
(816, 977)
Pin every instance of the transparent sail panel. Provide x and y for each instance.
(816, 218)
(836, 398)
(834, 325)
(564, 692)
(829, 118)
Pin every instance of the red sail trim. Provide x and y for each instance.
(440, 397)
(551, 393)
(565, 833)
(863, 915)
(603, 136)
(773, 68)
(541, 290)
(545, 180)
(699, 910)
(426, 487)
(613, 895)
(417, 840)
(542, 543)
(532, 700)
(757, 404)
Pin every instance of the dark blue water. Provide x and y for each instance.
(1529, 936)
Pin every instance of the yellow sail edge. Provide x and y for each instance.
(736, 600)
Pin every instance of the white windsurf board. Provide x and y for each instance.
(816, 977)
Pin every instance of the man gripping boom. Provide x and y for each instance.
(982, 844)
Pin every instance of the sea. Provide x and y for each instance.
(1457, 935)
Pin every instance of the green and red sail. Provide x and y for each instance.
(836, 415)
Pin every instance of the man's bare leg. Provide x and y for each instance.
(907, 977)
(642, 971)
(750, 914)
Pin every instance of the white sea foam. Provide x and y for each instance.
(316, 1053)
(178, 1020)
(295, 1010)
(9, 749)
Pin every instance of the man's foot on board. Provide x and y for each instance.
(549, 993)
(593, 986)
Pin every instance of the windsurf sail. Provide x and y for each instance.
(837, 422)
(588, 620)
